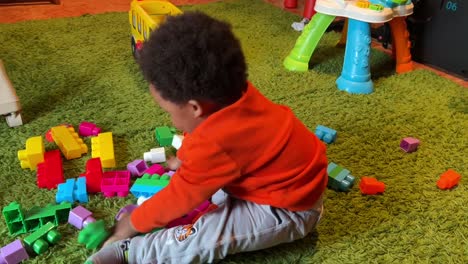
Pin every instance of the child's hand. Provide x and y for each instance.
(122, 229)
(173, 163)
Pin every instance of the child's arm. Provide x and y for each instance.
(205, 169)
(173, 163)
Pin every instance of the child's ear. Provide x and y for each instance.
(196, 108)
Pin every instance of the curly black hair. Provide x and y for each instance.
(193, 56)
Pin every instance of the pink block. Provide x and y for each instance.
(188, 219)
(115, 183)
(13, 253)
(87, 129)
(409, 144)
(155, 169)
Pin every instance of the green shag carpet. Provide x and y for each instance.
(74, 69)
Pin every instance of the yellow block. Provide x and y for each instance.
(103, 148)
(69, 142)
(33, 154)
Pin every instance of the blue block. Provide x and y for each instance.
(65, 191)
(325, 134)
(79, 193)
(144, 190)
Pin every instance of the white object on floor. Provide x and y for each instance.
(142, 199)
(9, 102)
(299, 26)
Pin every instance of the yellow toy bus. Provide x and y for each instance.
(145, 16)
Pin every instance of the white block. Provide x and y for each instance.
(156, 155)
(177, 141)
(142, 199)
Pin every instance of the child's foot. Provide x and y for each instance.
(115, 253)
(299, 26)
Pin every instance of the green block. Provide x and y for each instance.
(153, 180)
(14, 218)
(37, 217)
(164, 136)
(376, 7)
(339, 179)
(93, 235)
(39, 240)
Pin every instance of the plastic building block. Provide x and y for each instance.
(40, 240)
(20, 222)
(339, 179)
(13, 253)
(115, 183)
(155, 169)
(48, 134)
(87, 129)
(93, 235)
(14, 217)
(448, 179)
(142, 199)
(36, 217)
(374, 7)
(72, 191)
(169, 173)
(9, 102)
(409, 144)
(33, 154)
(50, 172)
(69, 142)
(191, 217)
(148, 185)
(127, 210)
(371, 186)
(164, 136)
(93, 175)
(137, 167)
(103, 148)
(325, 134)
(363, 4)
(177, 141)
(80, 217)
(155, 155)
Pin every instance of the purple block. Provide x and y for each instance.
(13, 253)
(409, 144)
(137, 167)
(127, 209)
(87, 129)
(170, 173)
(155, 169)
(80, 217)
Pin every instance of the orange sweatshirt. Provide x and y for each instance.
(255, 150)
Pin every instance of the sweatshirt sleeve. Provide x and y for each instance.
(205, 169)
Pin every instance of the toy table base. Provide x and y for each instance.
(355, 76)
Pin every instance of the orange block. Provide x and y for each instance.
(371, 186)
(448, 179)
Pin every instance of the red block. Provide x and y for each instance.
(448, 179)
(93, 175)
(371, 186)
(50, 172)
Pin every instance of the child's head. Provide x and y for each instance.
(195, 66)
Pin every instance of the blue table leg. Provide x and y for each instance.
(355, 77)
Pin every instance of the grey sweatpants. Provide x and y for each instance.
(236, 226)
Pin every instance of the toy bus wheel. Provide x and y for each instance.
(134, 49)
(53, 236)
(40, 246)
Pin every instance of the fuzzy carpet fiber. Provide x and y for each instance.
(75, 69)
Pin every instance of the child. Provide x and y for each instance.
(267, 169)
